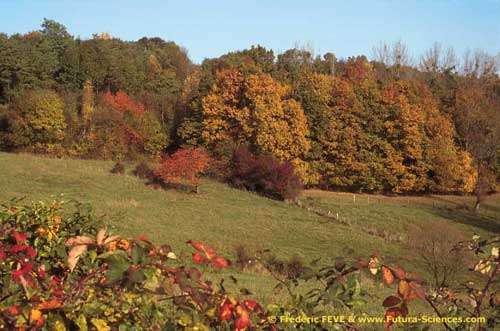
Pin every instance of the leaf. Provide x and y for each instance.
(404, 309)
(111, 239)
(390, 315)
(79, 240)
(137, 254)
(74, 255)
(373, 265)
(117, 267)
(19, 237)
(49, 304)
(36, 317)
(136, 276)
(205, 249)
(220, 263)
(81, 322)
(399, 272)
(198, 258)
(171, 255)
(100, 325)
(152, 282)
(59, 325)
(101, 235)
(391, 301)
(417, 290)
(387, 275)
(404, 289)
(252, 305)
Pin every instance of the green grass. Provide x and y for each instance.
(226, 217)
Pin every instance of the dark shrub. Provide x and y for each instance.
(143, 171)
(264, 174)
(291, 269)
(243, 258)
(118, 168)
(274, 264)
(294, 267)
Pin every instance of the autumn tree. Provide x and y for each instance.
(254, 110)
(477, 110)
(35, 120)
(87, 107)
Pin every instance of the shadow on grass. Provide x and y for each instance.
(463, 214)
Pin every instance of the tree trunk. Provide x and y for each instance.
(476, 206)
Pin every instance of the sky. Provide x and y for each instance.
(210, 28)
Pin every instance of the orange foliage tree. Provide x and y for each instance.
(379, 136)
(254, 110)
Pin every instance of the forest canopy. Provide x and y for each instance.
(389, 124)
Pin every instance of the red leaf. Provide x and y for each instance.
(220, 263)
(198, 258)
(19, 237)
(391, 301)
(399, 272)
(404, 310)
(205, 249)
(226, 310)
(243, 321)
(252, 305)
(14, 310)
(143, 237)
(417, 290)
(387, 275)
(25, 269)
(390, 315)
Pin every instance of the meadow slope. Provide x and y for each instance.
(225, 217)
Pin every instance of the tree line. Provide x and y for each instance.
(388, 124)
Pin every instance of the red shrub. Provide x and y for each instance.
(184, 166)
(265, 174)
(123, 103)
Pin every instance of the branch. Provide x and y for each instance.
(429, 301)
(479, 302)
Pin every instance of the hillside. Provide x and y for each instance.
(226, 217)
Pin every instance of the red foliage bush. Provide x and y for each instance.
(184, 166)
(122, 102)
(264, 174)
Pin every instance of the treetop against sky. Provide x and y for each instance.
(212, 28)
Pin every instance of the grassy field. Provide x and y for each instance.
(224, 217)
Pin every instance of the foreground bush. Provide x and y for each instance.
(60, 271)
(264, 174)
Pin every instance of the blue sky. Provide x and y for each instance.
(209, 28)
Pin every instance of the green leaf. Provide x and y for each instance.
(81, 322)
(152, 283)
(138, 254)
(117, 267)
(136, 276)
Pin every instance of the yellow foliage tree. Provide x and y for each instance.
(87, 101)
(254, 110)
